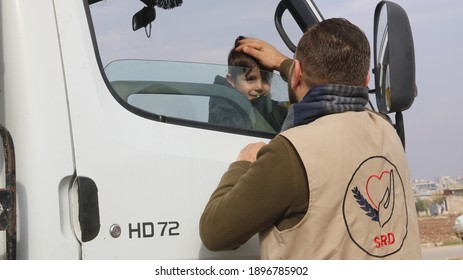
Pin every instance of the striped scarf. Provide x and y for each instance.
(325, 100)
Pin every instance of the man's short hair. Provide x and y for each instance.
(334, 51)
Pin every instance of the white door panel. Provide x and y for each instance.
(153, 178)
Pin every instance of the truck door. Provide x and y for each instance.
(146, 152)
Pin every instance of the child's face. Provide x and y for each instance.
(251, 84)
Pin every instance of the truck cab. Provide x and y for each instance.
(110, 151)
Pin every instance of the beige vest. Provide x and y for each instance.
(361, 204)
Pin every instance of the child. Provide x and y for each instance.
(249, 78)
(246, 75)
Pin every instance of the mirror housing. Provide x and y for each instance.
(143, 17)
(394, 59)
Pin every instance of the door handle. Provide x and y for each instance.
(88, 210)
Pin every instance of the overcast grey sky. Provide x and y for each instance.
(434, 134)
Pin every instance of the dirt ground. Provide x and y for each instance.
(437, 230)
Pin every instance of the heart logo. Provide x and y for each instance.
(374, 181)
(374, 192)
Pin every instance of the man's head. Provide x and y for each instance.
(246, 75)
(333, 51)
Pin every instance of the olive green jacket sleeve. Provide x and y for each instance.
(252, 197)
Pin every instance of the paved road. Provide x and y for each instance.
(443, 253)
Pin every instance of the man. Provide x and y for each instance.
(334, 184)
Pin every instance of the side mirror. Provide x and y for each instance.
(394, 59)
(394, 62)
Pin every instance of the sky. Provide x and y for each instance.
(433, 129)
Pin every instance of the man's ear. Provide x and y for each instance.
(296, 75)
(367, 79)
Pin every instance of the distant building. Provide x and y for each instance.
(454, 196)
(424, 187)
(443, 194)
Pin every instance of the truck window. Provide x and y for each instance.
(190, 91)
(169, 73)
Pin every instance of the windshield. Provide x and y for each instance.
(174, 69)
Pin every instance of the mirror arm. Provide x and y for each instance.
(399, 127)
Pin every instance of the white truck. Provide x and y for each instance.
(109, 152)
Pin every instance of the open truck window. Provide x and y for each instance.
(170, 74)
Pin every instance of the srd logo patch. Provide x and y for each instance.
(374, 208)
